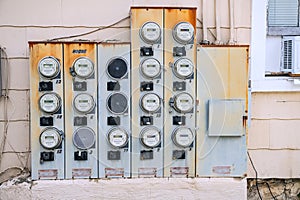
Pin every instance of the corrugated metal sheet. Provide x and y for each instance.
(283, 13)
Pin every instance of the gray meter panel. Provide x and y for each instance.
(114, 110)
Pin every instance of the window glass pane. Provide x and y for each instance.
(283, 13)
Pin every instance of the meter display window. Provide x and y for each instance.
(150, 68)
(49, 67)
(150, 137)
(84, 138)
(183, 103)
(50, 103)
(117, 103)
(150, 102)
(83, 67)
(183, 68)
(50, 138)
(183, 32)
(84, 103)
(150, 32)
(117, 68)
(183, 137)
(118, 137)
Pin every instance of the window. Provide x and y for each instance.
(283, 17)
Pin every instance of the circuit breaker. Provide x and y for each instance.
(179, 92)
(47, 111)
(147, 39)
(80, 69)
(222, 117)
(114, 110)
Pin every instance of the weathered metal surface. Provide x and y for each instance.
(139, 16)
(222, 77)
(171, 18)
(72, 51)
(37, 52)
(108, 166)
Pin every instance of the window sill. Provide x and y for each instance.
(283, 30)
(276, 84)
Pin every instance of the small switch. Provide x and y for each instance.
(179, 51)
(179, 86)
(146, 86)
(146, 51)
(146, 120)
(146, 155)
(80, 121)
(113, 86)
(80, 86)
(113, 155)
(45, 86)
(47, 156)
(80, 155)
(178, 154)
(46, 121)
(113, 121)
(179, 120)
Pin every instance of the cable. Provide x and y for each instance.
(270, 191)
(208, 29)
(255, 175)
(90, 32)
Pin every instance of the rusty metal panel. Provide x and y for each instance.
(146, 161)
(176, 157)
(222, 77)
(43, 168)
(114, 127)
(81, 125)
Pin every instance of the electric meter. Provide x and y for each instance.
(150, 32)
(183, 32)
(183, 103)
(117, 137)
(83, 67)
(117, 103)
(49, 67)
(84, 138)
(84, 103)
(183, 137)
(117, 68)
(50, 103)
(183, 68)
(150, 137)
(50, 138)
(150, 68)
(150, 102)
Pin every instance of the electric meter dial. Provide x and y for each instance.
(150, 68)
(150, 32)
(50, 138)
(84, 138)
(150, 137)
(117, 68)
(183, 137)
(117, 103)
(49, 67)
(150, 102)
(183, 32)
(183, 68)
(50, 103)
(118, 137)
(84, 103)
(183, 103)
(83, 67)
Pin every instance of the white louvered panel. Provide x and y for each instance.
(283, 13)
(287, 55)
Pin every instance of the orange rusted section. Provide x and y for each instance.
(174, 16)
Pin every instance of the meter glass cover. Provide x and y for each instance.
(150, 68)
(183, 32)
(184, 103)
(50, 138)
(150, 32)
(118, 137)
(117, 68)
(183, 137)
(83, 67)
(150, 137)
(84, 103)
(49, 67)
(84, 138)
(183, 68)
(117, 103)
(150, 102)
(50, 103)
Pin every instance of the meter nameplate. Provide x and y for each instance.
(150, 32)
(114, 172)
(82, 172)
(147, 172)
(179, 171)
(48, 173)
(83, 67)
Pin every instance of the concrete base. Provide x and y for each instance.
(158, 188)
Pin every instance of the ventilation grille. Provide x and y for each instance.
(287, 63)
